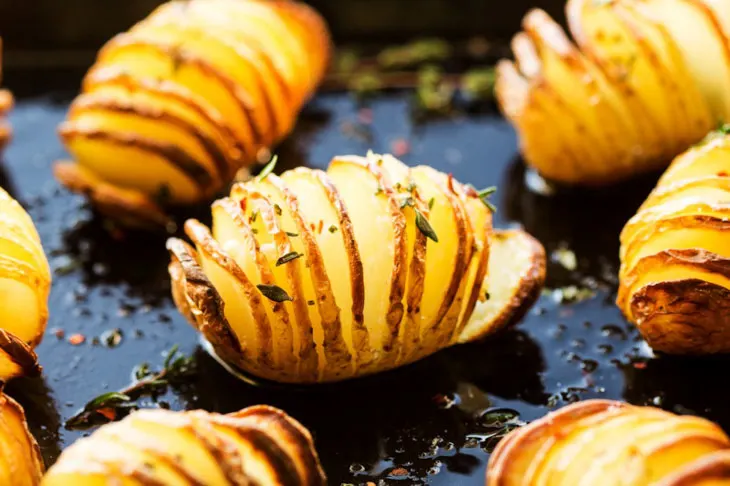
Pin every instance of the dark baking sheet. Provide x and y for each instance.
(421, 425)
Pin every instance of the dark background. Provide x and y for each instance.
(68, 32)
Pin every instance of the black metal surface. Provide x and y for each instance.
(423, 421)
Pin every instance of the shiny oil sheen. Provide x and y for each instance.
(430, 423)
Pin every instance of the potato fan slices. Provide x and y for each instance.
(25, 281)
(174, 107)
(256, 446)
(317, 276)
(647, 79)
(606, 443)
(675, 255)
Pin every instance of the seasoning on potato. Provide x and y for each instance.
(20, 462)
(257, 445)
(25, 281)
(603, 442)
(174, 107)
(317, 276)
(675, 258)
(647, 79)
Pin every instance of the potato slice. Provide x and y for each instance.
(383, 245)
(602, 33)
(699, 36)
(710, 469)
(19, 448)
(516, 275)
(16, 358)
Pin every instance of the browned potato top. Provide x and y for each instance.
(606, 443)
(644, 80)
(176, 106)
(675, 255)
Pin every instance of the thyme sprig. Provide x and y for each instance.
(110, 406)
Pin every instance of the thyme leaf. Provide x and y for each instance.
(274, 292)
(292, 255)
(268, 168)
(424, 226)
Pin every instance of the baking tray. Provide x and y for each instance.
(429, 423)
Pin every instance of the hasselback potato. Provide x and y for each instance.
(647, 79)
(317, 276)
(174, 107)
(25, 281)
(675, 255)
(603, 442)
(256, 446)
(20, 458)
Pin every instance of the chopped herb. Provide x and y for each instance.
(424, 226)
(379, 190)
(293, 235)
(398, 186)
(254, 231)
(292, 255)
(277, 209)
(431, 203)
(485, 194)
(411, 187)
(310, 302)
(407, 201)
(332, 228)
(268, 168)
(274, 292)
(254, 216)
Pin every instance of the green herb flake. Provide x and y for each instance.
(277, 209)
(431, 202)
(274, 293)
(268, 168)
(425, 227)
(292, 255)
(485, 194)
(332, 228)
(291, 234)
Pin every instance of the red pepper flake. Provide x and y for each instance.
(399, 471)
(640, 365)
(365, 116)
(108, 413)
(243, 204)
(400, 147)
(77, 339)
(722, 173)
(319, 228)
(58, 332)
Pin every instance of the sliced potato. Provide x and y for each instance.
(600, 442)
(21, 463)
(322, 276)
(259, 445)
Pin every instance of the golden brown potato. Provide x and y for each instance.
(258, 445)
(603, 442)
(25, 281)
(675, 262)
(20, 458)
(317, 276)
(174, 107)
(644, 80)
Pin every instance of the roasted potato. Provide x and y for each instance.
(675, 263)
(258, 445)
(25, 281)
(20, 458)
(317, 276)
(602, 442)
(646, 80)
(6, 104)
(176, 106)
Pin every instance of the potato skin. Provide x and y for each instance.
(257, 445)
(314, 276)
(631, 95)
(675, 270)
(22, 464)
(610, 443)
(190, 95)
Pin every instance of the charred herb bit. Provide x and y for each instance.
(424, 226)
(254, 215)
(310, 302)
(332, 228)
(163, 195)
(291, 234)
(112, 405)
(277, 209)
(268, 168)
(292, 255)
(274, 292)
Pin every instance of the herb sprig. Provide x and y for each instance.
(110, 406)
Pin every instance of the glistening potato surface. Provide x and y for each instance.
(603, 442)
(20, 457)
(675, 272)
(257, 445)
(643, 81)
(317, 276)
(173, 108)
